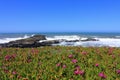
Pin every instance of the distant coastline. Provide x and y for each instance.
(105, 39)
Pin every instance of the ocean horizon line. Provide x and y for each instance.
(53, 32)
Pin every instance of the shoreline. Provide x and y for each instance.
(64, 39)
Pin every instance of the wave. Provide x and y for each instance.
(73, 40)
(111, 42)
(65, 37)
(102, 42)
(6, 40)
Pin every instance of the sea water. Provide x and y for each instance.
(104, 39)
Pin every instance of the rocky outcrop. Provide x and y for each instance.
(39, 40)
(28, 42)
(90, 39)
(72, 40)
(49, 42)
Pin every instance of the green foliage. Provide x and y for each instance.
(59, 63)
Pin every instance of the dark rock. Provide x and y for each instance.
(90, 39)
(49, 42)
(28, 42)
(72, 40)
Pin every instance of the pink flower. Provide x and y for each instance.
(102, 75)
(74, 61)
(34, 51)
(58, 64)
(70, 56)
(84, 53)
(118, 71)
(97, 65)
(76, 72)
(113, 56)
(19, 76)
(29, 60)
(7, 57)
(6, 71)
(81, 72)
(77, 67)
(13, 55)
(64, 66)
(14, 72)
(110, 51)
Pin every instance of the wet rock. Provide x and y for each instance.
(72, 40)
(90, 39)
(49, 42)
(28, 42)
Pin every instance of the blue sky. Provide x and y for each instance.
(59, 15)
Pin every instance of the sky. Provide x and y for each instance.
(59, 16)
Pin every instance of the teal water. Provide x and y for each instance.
(51, 34)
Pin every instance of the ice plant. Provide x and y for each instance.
(84, 52)
(118, 71)
(58, 64)
(113, 56)
(64, 66)
(7, 57)
(39, 63)
(34, 51)
(74, 60)
(25, 79)
(14, 72)
(3, 67)
(76, 72)
(102, 75)
(6, 71)
(81, 72)
(110, 51)
(96, 64)
(13, 55)
(77, 67)
(70, 56)
(29, 60)
(19, 76)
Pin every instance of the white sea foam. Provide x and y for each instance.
(6, 40)
(112, 42)
(66, 37)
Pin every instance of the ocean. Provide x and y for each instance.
(104, 39)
